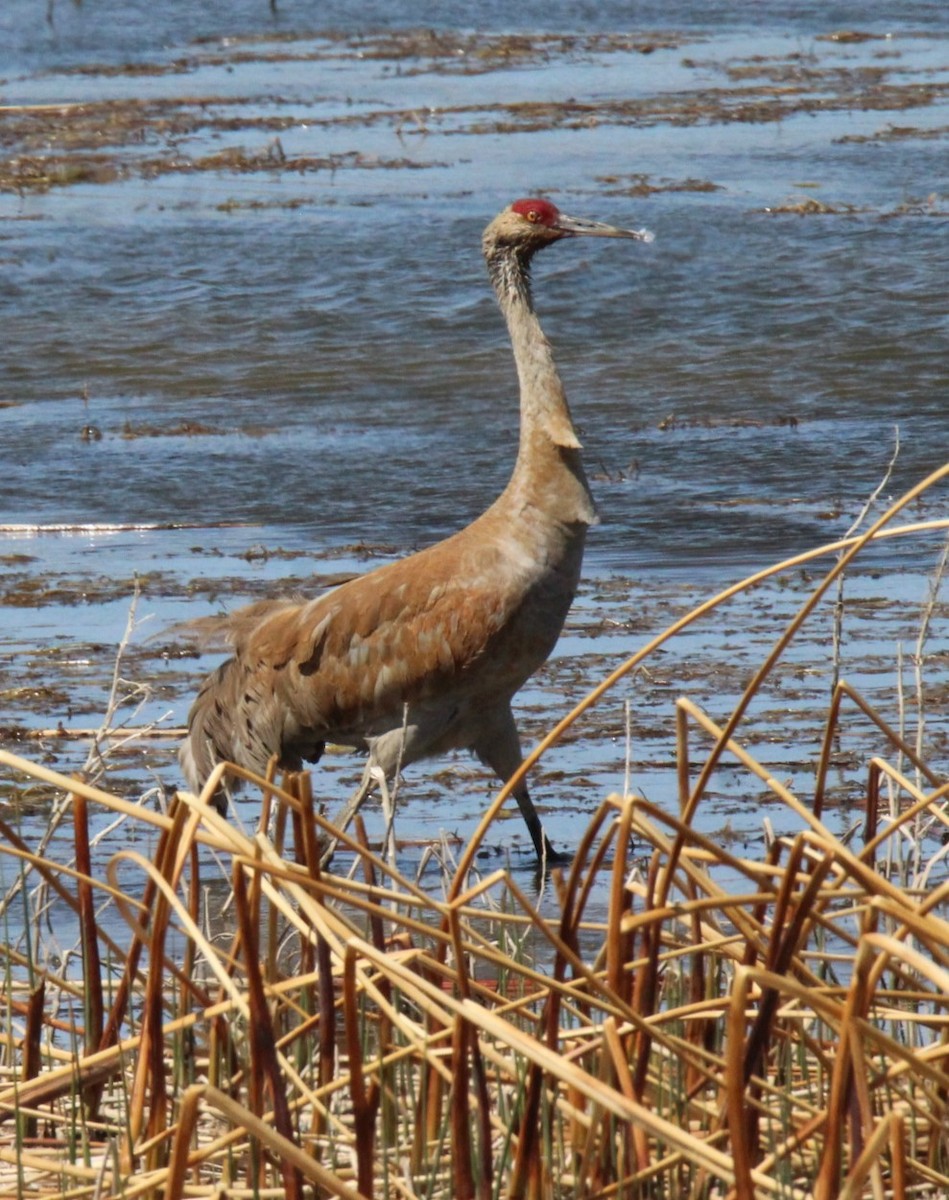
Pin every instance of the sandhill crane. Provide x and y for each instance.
(425, 654)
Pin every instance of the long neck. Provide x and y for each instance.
(548, 458)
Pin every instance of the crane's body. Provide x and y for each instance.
(424, 655)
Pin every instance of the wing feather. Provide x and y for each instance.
(461, 619)
(379, 641)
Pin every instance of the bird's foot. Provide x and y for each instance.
(555, 858)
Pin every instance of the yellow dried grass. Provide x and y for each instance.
(725, 1026)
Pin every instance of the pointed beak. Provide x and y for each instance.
(578, 227)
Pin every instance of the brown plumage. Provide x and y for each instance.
(425, 655)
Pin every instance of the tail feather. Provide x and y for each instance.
(223, 631)
(210, 730)
(242, 713)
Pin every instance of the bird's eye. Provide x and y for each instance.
(537, 212)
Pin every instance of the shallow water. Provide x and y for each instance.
(291, 350)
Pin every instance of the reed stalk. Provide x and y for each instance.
(681, 1020)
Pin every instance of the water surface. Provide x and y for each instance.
(263, 318)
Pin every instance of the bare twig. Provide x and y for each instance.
(837, 631)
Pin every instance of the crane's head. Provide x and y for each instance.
(526, 226)
(532, 224)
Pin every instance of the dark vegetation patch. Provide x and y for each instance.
(411, 51)
(809, 206)
(180, 429)
(675, 421)
(132, 430)
(51, 146)
(638, 184)
(894, 133)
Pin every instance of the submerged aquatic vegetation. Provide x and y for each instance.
(216, 1011)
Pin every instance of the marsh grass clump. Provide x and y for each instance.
(214, 1013)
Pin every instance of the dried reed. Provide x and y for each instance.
(681, 1021)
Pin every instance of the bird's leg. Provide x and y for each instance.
(351, 807)
(386, 755)
(547, 856)
(500, 749)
